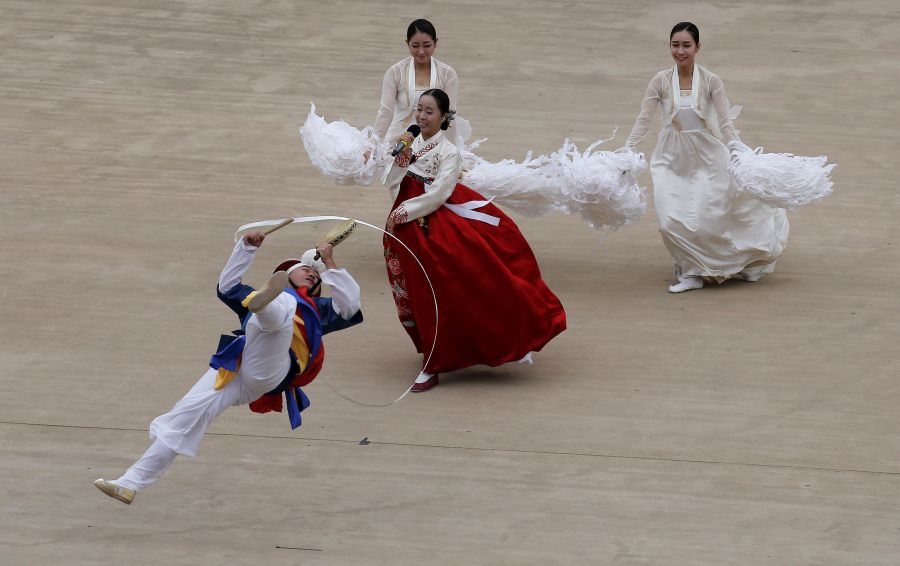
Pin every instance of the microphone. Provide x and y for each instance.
(401, 145)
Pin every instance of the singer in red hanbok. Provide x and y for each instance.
(492, 305)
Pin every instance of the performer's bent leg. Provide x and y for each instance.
(276, 314)
(149, 468)
(265, 360)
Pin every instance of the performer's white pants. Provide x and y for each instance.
(264, 364)
(152, 465)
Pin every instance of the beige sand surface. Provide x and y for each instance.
(748, 424)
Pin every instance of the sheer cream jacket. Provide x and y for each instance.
(398, 95)
(711, 106)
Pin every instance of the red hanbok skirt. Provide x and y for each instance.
(492, 305)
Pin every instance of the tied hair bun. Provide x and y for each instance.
(449, 117)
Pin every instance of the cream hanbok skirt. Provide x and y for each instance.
(712, 229)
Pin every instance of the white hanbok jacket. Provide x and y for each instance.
(712, 106)
(398, 95)
(442, 163)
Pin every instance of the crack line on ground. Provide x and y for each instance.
(483, 449)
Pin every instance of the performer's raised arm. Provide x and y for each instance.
(231, 290)
(240, 261)
(344, 289)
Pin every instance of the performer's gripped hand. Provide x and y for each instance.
(254, 239)
(398, 216)
(326, 254)
(404, 158)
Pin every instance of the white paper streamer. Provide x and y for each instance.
(599, 186)
(782, 180)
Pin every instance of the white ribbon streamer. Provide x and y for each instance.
(239, 233)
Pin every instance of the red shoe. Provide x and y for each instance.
(425, 385)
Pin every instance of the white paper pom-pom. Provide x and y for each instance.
(337, 149)
(782, 180)
(599, 186)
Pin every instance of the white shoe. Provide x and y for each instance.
(123, 494)
(526, 359)
(688, 283)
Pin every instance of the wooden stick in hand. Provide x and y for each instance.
(280, 225)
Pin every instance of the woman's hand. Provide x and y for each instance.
(738, 147)
(404, 158)
(399, 216)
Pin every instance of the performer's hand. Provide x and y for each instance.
(738, 147)
(402, 159)
(254, 239)
(367, 155)
(398, 216)
(326, 254)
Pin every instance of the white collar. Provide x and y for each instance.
(420, 142)
(411, 79)
(676, 87)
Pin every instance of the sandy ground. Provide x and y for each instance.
(746, 424)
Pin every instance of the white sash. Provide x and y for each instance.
(467, 210)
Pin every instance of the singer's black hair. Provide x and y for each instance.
(443, 102)
(421, 26)
(688, 27)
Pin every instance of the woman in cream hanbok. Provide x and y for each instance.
(406, 80)
(492, 305)
(713, 230)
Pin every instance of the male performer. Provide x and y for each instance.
(279, 349)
